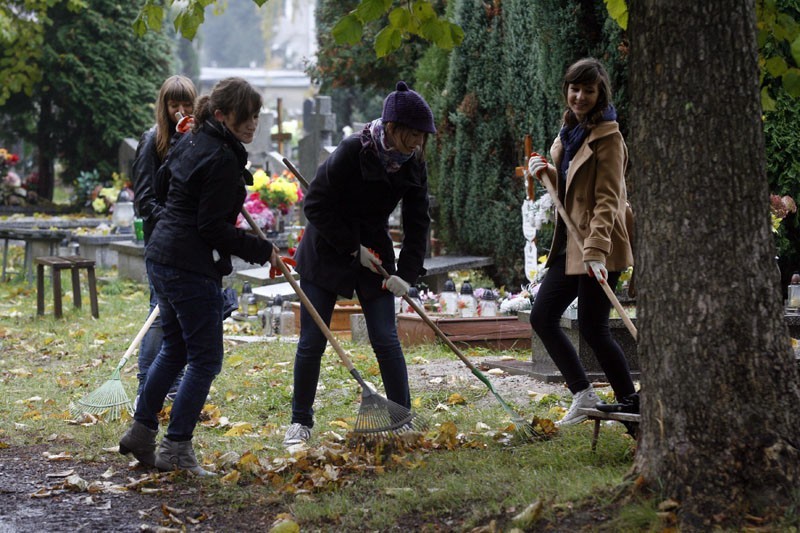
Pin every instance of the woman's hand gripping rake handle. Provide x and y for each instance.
(310, 307)
(577, 236)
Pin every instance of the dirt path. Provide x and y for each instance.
(35, 494)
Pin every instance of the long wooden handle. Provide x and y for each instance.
(304, 299)
(293, 170)
(529, 183)
(424, 316)
(138, 338)
(577, 236)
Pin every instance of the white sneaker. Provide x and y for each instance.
(581, 400)
(296, 434)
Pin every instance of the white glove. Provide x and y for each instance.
(596, 269)
(368, 258)
(536, 164)
(396, 285)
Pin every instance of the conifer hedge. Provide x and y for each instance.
(503, 82)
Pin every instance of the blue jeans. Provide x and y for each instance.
(191, 318)
(380, 318)
(557, 291)
(151, 344)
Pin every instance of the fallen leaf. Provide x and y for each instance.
(239, 429)
(285, 526)
(230, 478)
(531, 514)
(456, 399)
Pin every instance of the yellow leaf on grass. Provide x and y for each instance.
(285, 526)
(456, 399)
(231, 478)
(340, 423)
(234, 360)
(249, 463)
(239, 429)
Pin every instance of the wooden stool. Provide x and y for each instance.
(598, 416)
(57, 264)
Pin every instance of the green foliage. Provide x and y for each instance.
(783, 175)
(96, 87)
(23, 26)
(85, 183)
(618, 11)
(356, 82)
(417, 18)
(504, 82)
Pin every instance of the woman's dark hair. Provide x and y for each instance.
(229, 95)
(588, 71)
(402, 131)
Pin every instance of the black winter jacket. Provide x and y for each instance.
(145, 165)
(348, 204)
(204, 175)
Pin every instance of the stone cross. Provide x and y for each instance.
(316, 146)
(280, 137)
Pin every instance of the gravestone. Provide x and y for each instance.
(262, 142)
(126, 155)
(317, 144)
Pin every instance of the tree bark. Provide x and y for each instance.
(45, 148)
(721, 428)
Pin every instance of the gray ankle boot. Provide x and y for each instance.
(173, 455)
(139, 440)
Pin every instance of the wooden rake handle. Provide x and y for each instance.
(304, 299)
(425, 318)
(577, 236)
(139, 336)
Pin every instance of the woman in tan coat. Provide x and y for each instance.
(588, 171)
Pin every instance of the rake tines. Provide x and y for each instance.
(109, 400)
(383, 421)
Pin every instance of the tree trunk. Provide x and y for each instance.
(45, 148)
(721, 428)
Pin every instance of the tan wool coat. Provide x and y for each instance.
(596, 200)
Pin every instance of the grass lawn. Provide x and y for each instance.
(472, 471)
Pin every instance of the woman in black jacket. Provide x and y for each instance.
(188, 254)
(177, 95)
(347, 208)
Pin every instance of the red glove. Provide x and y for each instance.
(275, 271)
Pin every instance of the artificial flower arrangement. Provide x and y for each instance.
(104, 198)
(269, 197)
(12, 187)
(780, 207)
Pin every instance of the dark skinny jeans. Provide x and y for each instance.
(380, 318)
(555, 294)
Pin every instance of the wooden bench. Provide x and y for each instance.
(599, 416)
(75, 264)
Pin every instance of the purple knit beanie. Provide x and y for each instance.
(408, 108)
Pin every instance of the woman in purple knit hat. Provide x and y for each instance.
(347, 210)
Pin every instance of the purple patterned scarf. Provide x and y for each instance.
(373, 137)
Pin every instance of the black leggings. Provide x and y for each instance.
(556, 293)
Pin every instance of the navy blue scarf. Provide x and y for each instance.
(572, 138)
